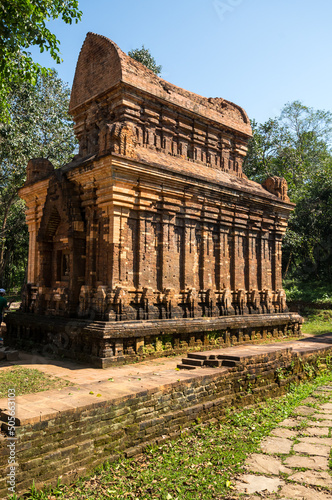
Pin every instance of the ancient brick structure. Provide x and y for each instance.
(152, 238)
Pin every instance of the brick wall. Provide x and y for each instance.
(76, 441)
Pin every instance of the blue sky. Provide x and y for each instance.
(259, 54)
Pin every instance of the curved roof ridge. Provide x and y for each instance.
(102, 64)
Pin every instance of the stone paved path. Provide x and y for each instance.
(294, 458)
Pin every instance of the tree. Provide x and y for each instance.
(297, 146)
(22, 24)
(144, 56)
(308, 242)
(40, 126)
(263, 148)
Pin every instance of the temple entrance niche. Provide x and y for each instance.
(58, 235)
(62, 255)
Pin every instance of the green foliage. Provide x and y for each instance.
(40, 126)
(313, 291)
(308, 242)
(22, 24)
(297, 146)
(280, 374)
(144, 56)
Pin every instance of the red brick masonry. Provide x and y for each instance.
(123, 409)
(152, 238)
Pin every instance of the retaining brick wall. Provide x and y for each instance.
(77, 440)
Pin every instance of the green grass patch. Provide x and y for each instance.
(27, 381)
(317, 321)
(200, 464)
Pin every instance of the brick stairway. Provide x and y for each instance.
(202, 359)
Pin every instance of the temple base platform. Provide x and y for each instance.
(103, 344)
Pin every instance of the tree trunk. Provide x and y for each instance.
(288, 264)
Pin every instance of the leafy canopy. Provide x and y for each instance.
(144, 56)
(22, 24)
(39, 126)
(297, 146)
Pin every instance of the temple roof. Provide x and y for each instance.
(102, 65)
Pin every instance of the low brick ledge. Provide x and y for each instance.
(75, 430)
(141, 328)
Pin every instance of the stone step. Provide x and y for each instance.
(218, 363)
(194, 355)
(227, 356)
(213, 363)
(228, 362)
(9, 354)
(194, 362)
(186, 367)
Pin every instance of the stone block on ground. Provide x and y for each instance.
(316, 423)
(251, 483)
(283, 432)
(312, 449)
(265, 464)
(313, 477)
(291, 422)
(312, 462)
(326, 406)
(316, 431)
(12, 356)
(304, 410)
(316, 440)
(310, 399)
(275, 445)
(299, 492)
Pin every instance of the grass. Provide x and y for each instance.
(200, 464)
(27, 381)
(317, 321)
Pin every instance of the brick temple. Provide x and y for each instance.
(152, 240)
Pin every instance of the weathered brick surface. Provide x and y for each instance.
(80, 440)
(152, 237)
